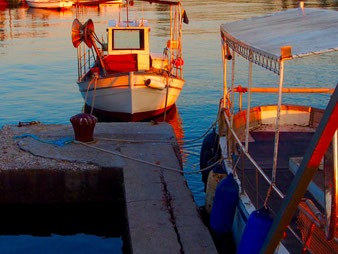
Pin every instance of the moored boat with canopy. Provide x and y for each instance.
(274, 151)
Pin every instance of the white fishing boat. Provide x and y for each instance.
(123, 79)
(50, 4)
(273, 198)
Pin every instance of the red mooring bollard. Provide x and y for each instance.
(83, 125)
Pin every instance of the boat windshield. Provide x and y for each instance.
(128, 39)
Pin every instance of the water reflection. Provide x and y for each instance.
(173, 118)
(38, 62)
(48, 14)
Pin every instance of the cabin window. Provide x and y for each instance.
(128, 39)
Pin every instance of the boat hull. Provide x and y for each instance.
(50, 4)
(96, 2)
(126, 96)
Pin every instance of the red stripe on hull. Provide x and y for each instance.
(126, 117)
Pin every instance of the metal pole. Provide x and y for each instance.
(289, 90)
(248, 108)
(231, 147)
(127, 14)
(225, 88)
(171, 40)
(78, 63)
(307, 169)
(240, 101)
(232, 88)
(275, 153)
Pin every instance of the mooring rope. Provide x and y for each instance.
(93, 100)
(61, 142)
(160, 141)
(66, 141)
(85, 100)
(147, 162)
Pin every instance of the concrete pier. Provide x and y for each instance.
(160, 212)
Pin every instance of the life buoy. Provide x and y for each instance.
(178, 62)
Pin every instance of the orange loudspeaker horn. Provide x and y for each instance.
(77, 33)
(88, 31)
(82, 33)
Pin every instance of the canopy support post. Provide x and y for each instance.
(275, 152)
(248, 107)
(225, 87)
(247, 124)
(232, 143)
(232, 87)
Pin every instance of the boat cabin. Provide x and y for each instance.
(128, 46)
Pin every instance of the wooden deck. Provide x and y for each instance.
(293, 143)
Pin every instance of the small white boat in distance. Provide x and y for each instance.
(50, 4)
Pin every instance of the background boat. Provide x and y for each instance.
(97, 2)
(50, 4)
(127, 81)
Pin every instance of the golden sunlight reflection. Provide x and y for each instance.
(174, 119)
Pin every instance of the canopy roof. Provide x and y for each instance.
(260, 39)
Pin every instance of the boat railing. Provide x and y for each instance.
(86, 59)
(308, 218)
(239, 89)
(227, 118)
(245, 152)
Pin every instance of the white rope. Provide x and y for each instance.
(147, 162)
(85, 100)
(93, 100)
(234, 171)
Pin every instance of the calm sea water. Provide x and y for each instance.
(38, 67)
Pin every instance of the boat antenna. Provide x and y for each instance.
(142, 13)
(127, 14)
(119, 15)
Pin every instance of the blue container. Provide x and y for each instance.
(255, 232)
(224, 206)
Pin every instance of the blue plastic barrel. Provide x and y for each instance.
(224, 206)
(255, 232)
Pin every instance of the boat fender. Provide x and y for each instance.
(178, 62)
(154, 84)
(215, 176)
(224, 206)
(255, 232)
(208, 151)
